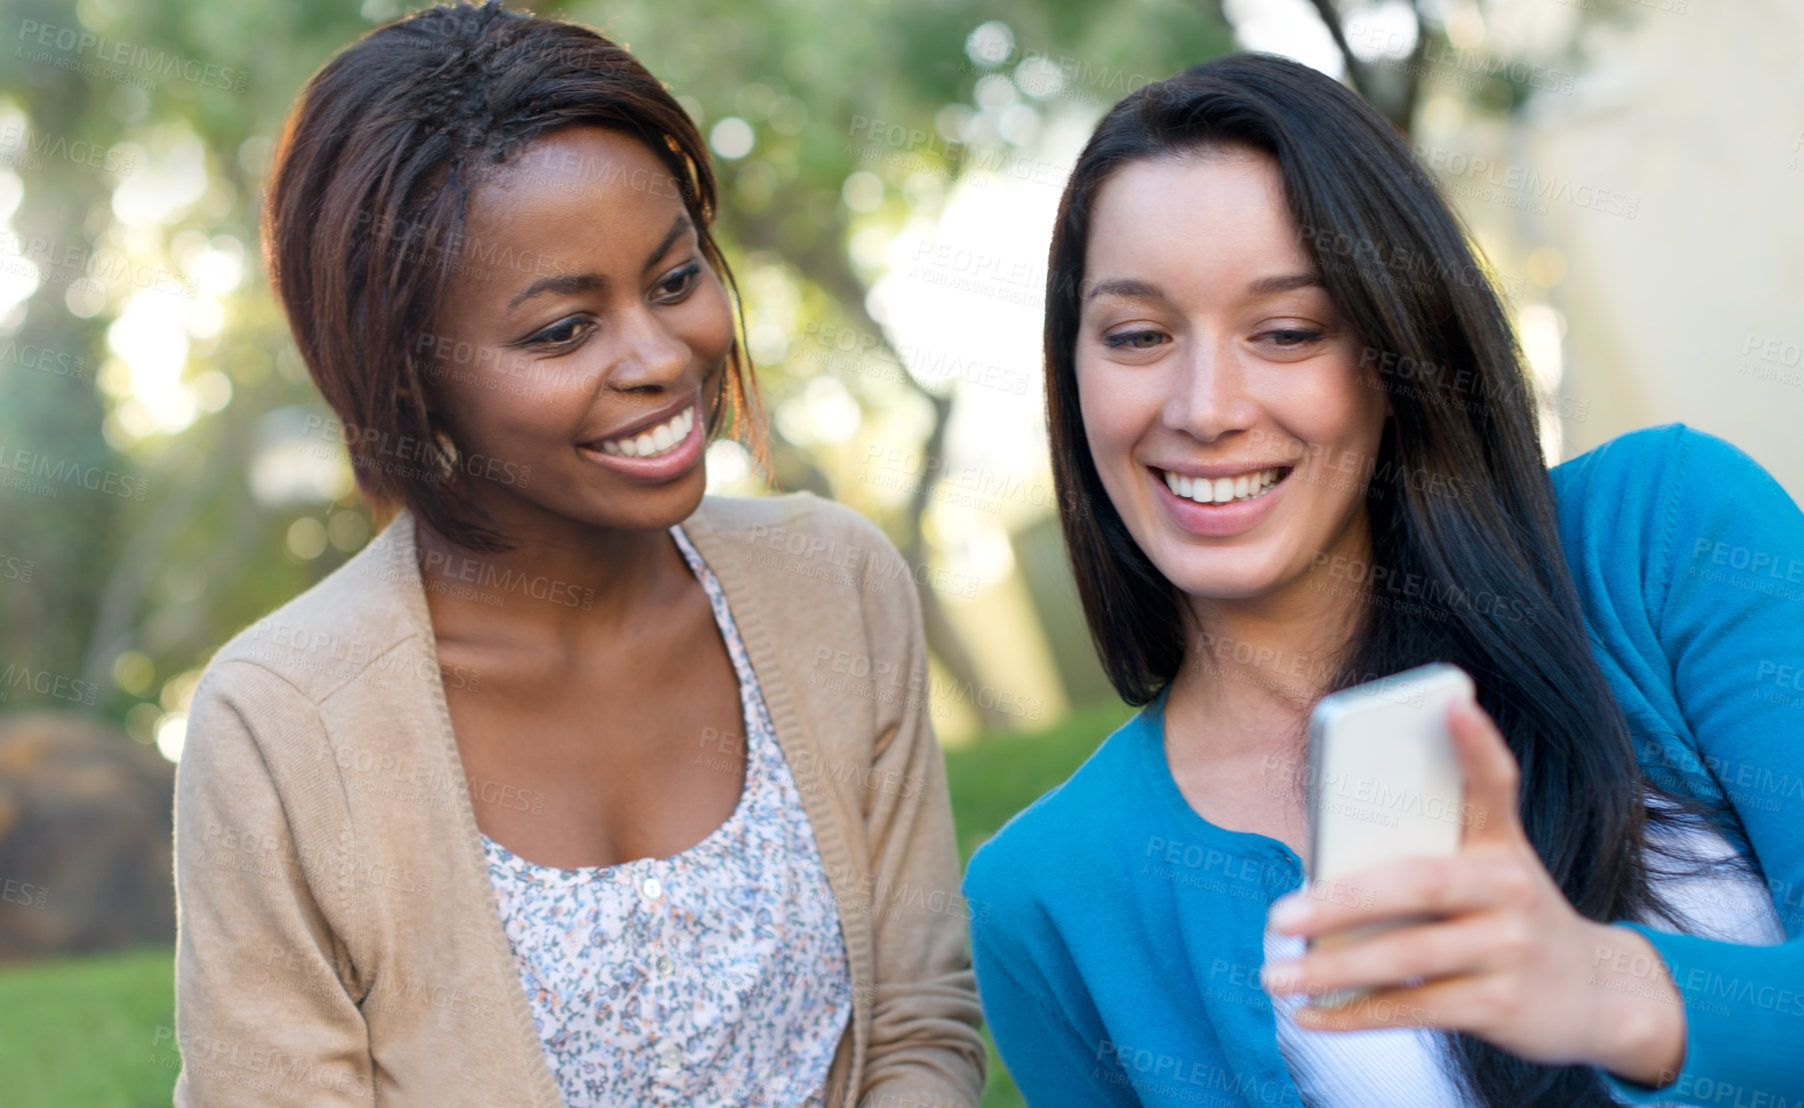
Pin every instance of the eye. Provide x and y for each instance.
(678, 284)
(562, 333)
(1292, 338)
(1134, 340)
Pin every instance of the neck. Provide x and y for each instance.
(561, 577)
(1254, 667)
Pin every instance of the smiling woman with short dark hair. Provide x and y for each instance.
(543, 798)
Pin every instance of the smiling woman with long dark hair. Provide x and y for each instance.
(545, 797)
(1299, 450)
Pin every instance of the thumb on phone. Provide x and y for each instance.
(1492, 778)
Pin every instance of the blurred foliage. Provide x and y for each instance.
(134, 138)
(187, 376)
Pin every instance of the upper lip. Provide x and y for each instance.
(1223, 469)
(650, 419)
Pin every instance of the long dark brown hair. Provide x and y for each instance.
(364, 222)
(1459, 496)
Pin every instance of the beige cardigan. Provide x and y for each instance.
(337, 937)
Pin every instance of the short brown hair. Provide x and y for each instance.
(368, 196)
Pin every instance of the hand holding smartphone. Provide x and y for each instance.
(1384, 784)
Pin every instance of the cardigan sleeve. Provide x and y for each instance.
(1726, 598)
(262, 1014)
(924, 1048)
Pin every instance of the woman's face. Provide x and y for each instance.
(1227, 410)
(584, 339)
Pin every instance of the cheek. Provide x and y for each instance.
(516, 410)
(706, 322)
(1099, 434)
(1364, 408)
(1335, 407)
(1109, 415)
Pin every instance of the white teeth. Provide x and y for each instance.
(1220, 490)
(657, 440)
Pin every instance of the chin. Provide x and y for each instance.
(654, 509)
(1217, 590)
(629, 509)
(1222, 582)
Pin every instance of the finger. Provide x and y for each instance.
(1404, 889)
(1450, 1004)
(1477, 943)
(1491, 776)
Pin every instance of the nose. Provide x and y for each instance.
(650, 357)
(1209, 396)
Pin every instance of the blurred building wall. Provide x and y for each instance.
(1693, 308)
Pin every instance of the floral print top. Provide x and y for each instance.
(717, 976)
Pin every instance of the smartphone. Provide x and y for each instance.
(1384, 784)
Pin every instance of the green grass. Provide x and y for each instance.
(89, 1032)
(95, 1031)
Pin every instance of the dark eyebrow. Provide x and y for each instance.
(1286, 283)
(561, 283)
(1125, 287)
(1141, 290)
(570, 283)
(676, 230)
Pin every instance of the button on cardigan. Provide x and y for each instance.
(337, 938)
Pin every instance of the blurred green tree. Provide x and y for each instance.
(133, 143)
(132, 595)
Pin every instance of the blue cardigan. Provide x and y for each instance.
(1118, 935)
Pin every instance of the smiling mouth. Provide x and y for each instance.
(652, 441)
(1224, 490)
